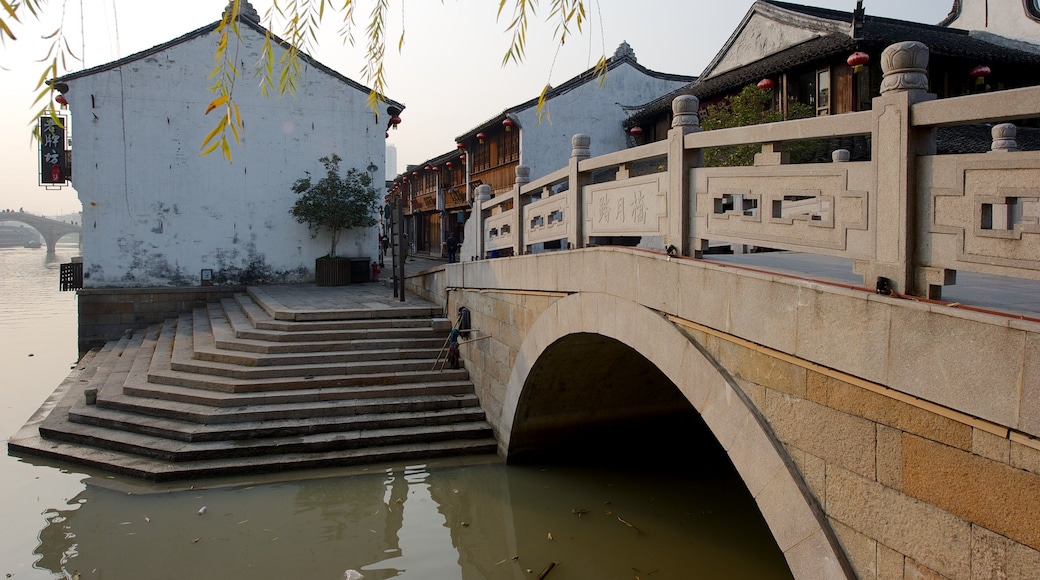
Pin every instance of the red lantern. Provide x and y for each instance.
(857, 59)
(395, 121)
(481, 137)
(508, 124)
(462, 158)
(635, 131)
(460, 146)
(415, 174)
(436, 169)
(766, 84)
(405, 180)
(427, 168)
(449, 165)
(61, 100)
(979, 73)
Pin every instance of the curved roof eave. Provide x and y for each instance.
(208, 29)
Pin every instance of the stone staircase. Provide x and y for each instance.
(233, 388)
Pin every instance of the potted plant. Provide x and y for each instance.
(336, 203)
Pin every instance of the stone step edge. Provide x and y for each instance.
(161, 471)
(264, 410)
(189, 432)
(178, 451)
(244, 313)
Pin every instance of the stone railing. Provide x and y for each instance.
(908, 215)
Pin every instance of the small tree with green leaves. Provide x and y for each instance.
(751, 106)
(336, 203)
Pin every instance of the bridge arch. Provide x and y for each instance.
(51, 230)
(586, 319)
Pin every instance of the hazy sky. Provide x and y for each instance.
(449, 73)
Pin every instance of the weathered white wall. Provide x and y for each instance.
(156, 212)
(590, 109)
(1002, 17)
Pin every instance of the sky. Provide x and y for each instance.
(449, 73)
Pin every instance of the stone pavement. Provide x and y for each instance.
(1009, 295)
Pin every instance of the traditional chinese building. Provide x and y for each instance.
(829, 60)
(156, 212)
(437, 188)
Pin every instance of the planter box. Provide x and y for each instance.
(332, 271)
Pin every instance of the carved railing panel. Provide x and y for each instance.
(628, 207)
(982, 212)
(499, 231)
(547, 219)
(810, 208)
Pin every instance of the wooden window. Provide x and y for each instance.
(507, 147)
(823, 91)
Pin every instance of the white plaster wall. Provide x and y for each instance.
(156, 212)
(590, 109)
(1002, 17)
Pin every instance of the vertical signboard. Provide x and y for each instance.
(53, 167)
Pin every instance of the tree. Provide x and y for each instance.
(751, 106)
(302, 19)
(336, 203)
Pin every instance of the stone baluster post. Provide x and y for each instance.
(682, 200)
(580, 151)
(523, 177)
(480, 196)
(1004, 138)
(895, 147)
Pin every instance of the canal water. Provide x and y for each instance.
(624, 507)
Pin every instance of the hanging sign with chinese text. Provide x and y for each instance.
(53, 168)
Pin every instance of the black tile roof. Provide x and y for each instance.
(573, 83)
(243, 19)
(876, 33)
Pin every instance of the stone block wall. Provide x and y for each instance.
(106, 313)
(505, 317)
(911, 492)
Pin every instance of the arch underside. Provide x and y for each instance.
(580, 354)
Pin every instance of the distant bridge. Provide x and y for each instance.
(51, 230)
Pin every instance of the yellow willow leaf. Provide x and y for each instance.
(10, 10)
(225, 150)
(217, 102)
(214, 132)
(7, 31)
(211, 148)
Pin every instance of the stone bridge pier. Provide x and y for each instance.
(880, 438)
(51, 230)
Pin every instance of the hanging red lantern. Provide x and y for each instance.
(462, 158)
(436, 169)
(481, 137)
(508, 124)
(427, 168)
(449, 165)
(635, 131)
(61, 100)
(979, 73)
(766, 84)
(415, 174)
(405, 180)
(460, 146)
(857, 59)
(395, 121)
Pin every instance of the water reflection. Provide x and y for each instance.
(649, 502)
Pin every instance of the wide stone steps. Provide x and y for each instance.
(165, 449)
(216, 394)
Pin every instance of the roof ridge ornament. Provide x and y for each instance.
(245, 10)
(624, 50)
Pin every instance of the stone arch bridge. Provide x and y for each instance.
(51, 230)
(883, 432)
(879, 436)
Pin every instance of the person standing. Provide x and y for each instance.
(452, 245)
